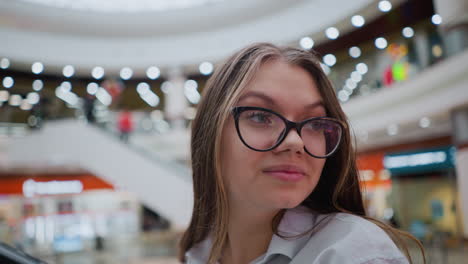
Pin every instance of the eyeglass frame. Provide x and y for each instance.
(237, 110)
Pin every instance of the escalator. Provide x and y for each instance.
(163, 186)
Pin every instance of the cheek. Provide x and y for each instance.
(238, 162)
(316, 167)
(315, 172)
(233, 155)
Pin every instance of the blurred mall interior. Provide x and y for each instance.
(97, 98)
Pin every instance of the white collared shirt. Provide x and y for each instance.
(338, 238)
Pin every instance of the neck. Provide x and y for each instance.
(249, 235)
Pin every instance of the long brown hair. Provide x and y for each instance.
(338, 189)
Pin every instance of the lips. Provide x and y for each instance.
(289, 173)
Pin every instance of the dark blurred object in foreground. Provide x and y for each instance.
(11, 255)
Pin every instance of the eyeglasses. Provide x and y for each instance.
(262, 129)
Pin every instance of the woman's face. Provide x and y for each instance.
(285, 176)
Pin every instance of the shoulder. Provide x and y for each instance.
(347, 238)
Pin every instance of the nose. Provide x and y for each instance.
(292, 142)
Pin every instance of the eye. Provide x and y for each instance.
(259, 117)
(319, 125)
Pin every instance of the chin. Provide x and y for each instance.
(287, 198)
(288, 201)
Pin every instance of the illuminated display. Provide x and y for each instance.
(32, 188)
(415, 162)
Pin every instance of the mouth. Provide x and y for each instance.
(288, 173)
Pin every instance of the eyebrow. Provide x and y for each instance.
(270, 100)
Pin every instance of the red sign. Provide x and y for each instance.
(40, 184)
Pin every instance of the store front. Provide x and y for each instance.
(424, 192)
(60, 213)
(376, 185)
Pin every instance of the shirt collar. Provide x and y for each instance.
(292, 230)
(294, 222)
(200, 252)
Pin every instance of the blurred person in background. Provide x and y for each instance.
(274, 171)
(89, 108)
(39, 113)
(125, 124)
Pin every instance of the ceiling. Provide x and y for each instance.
(172, 38)
(122, 6)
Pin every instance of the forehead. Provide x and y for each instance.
(286, 84)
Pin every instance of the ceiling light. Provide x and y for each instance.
(37, 68)
(166, 86)
(358, 21)
(424, 122)
(92, 88)
(436, 19)
(407, 32)
(126, 73)
(355, 52)
(343, 95)
(33, 98)
(206, 68)
(143, 88)
(385, 6)
(25, 105)
(97, 72)
(66, 86)
(4, 63)
(351, 84)
(151, 99)
(381, 43)
(68, 71)
(332, 33)
(329, 60)
(4, 95)
(153, 72)
(15, 100)
(8, 82)
(361, 68)
(191, 85)
(306, 43)
(103, 96)
(356, 76)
